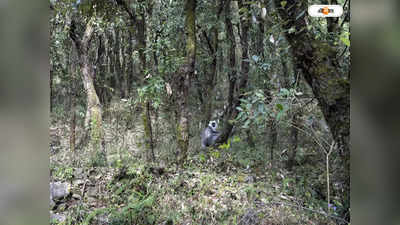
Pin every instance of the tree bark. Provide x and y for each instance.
(130, 65)
(183, 80)
(72, 99)
(273, 140)
(94, 112)
(294, 132)
(118, 67)
(236, 90)
(148, 132)
(208, 90)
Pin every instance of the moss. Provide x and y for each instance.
(183, 143)
(179, 136)
(93, 214)
(95, 127)
(146, 127)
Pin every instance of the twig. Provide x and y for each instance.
(83, 188)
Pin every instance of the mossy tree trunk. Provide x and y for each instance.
(317, 60)
(93, 112)
(148, 132)
(72, 102)
(238, 52)
(232, 73)
(293, 141)
(210, 79)
(130, 65)
(206, 90)
(273, 136)
(183, 80)
(118, 74)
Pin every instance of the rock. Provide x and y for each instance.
(250, 217)
(77, 182)
(52, 203)
(76, 196)
(59, 190)
(250, 179)
(102, 220)
(78, 173)
(91, 192)
(91, 201)
(57, 217)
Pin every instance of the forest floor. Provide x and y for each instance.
(211, 188)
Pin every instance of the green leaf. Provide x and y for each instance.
(240, 115)
(246, 124)
(279, 106)
(225, 145)
(215, 154)
(345, 39)
(202, 157)
(243, 10)
(283, 3)
(236, 139)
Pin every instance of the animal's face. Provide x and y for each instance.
(213, 124)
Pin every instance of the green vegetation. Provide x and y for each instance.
(134, 83)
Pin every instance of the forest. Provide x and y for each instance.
(199, 112)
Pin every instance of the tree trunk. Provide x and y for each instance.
(332, 22)
(293, 139)
(130, 65)
(273, 140)
(123, 67)
(113, 80)
(118, 70)
(236, 90)
(93, 112)
(148, 130)
(72, 98)
(183, 80)
(208, 89)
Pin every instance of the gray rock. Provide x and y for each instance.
(102, 220)
(76, 196)
(91, 201)
(250, 179)
(91, 192)
(77, 182)
(78, 173)
(59, 190)
(52, 203)
(57, 217)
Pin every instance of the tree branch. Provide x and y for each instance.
(124, 5)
